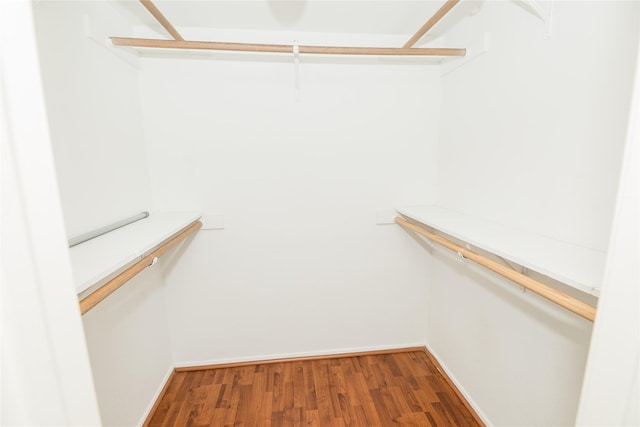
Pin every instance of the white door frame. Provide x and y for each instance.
(45, 371)
(610, 391)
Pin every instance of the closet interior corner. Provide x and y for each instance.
(301, 120)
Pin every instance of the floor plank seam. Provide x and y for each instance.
(384, 389)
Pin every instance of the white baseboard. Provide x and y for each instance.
(156, 396)
(260, 358)
(267, 357)
(460, 388)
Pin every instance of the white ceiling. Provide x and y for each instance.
(325, 16)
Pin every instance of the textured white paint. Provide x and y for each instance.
(531, 138)
(301, 266)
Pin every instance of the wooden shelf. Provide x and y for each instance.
(98, 261)
(573, 265)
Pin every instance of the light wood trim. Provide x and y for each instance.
(280, 48)
(431, 22)
(154, 408)
(177, 238)
(148, 4)
(298, 359)
(111, 286)
(580, 308)
(458, 393)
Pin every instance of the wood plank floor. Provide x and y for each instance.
(398, 389)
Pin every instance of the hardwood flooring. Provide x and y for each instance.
(398, 389)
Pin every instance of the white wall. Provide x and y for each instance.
(95, 118)
(611, 389)
(94, 114)
(550, 115)
(301, 267)
(532, 134)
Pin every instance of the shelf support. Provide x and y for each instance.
(572, 304)
(148, 4)
(440, 13)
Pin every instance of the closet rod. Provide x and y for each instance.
(578, 307)
(281, 48)
(431, 22)
(74, 241)
(147, 260)
(148, 4)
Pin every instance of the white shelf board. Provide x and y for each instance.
(574, 265)
(98, 260)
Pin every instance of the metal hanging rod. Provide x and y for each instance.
(106, 229)
(572, 304)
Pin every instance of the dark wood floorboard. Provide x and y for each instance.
(398, 389)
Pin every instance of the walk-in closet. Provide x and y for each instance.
(362, 189)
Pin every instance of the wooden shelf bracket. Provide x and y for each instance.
(440, 13)
(153, 10)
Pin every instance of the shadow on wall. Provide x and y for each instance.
(527, 303)
(287, 13)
